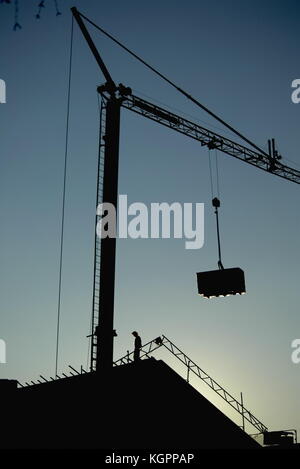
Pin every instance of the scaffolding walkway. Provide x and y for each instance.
(192, 367)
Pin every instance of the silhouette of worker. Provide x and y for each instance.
(137, 346)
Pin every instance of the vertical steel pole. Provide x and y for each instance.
(273, 148)
(269, 149)
(108, 245)
(243, 418)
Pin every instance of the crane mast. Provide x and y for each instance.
(105, 249)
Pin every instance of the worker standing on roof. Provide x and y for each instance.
(137, 346)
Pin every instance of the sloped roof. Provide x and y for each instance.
(144, 405)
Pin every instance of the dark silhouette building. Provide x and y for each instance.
(82, 412)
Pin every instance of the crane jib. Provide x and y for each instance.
(209, 138)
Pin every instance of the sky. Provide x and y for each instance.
(239, 59)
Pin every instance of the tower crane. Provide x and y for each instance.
(113, 99)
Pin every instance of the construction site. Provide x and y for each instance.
(157, 394)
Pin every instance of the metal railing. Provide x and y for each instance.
(192, 367)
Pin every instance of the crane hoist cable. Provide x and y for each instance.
(210, 174)
(216, 200)
(64, 200)
(187, 95)
(217, 172)
(216, 203)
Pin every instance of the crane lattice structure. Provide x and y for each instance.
(97, 248)
(267, 162)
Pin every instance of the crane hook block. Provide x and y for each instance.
(216, 203)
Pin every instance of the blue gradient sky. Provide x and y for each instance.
(238, 58)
